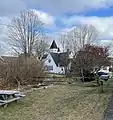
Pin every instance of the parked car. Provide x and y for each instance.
(103, 75)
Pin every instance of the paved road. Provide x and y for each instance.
(109, 112)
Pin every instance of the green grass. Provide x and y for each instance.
(55, 75)
(61, 102)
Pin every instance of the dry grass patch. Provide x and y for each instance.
(67, 102)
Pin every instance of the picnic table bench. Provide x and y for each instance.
(8, 96)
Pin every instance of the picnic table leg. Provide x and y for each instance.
(4, 97)
(16, 101)
(1, 97)
(14, 97)
(5, 105)
(7, 97)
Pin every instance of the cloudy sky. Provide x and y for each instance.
(62, 15)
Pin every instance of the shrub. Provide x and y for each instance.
(88, 76)
(21, 71)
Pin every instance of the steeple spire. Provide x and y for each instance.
(53, 45)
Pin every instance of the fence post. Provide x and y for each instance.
(101, 86)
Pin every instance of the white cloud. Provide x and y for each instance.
(45, 17)
(4, 21)
(64, 6)
(3, 34)
(103, 24)
(8, 9)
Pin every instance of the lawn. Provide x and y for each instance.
(60, 102)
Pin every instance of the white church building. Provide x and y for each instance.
(56, 61)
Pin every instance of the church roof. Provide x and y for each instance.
(53, 45)
(60, 58)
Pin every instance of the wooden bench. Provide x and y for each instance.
(20, 95)
(2, 103)
(11, 100)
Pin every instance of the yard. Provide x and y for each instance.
(60, 102)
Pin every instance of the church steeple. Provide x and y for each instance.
(53, 47)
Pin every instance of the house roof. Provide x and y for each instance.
(55, 57)
(60, 59)
(64, 60)
(53, 45)
(7, 59)
(10, 59)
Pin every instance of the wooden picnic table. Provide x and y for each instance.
(8, 92)
(7, 96)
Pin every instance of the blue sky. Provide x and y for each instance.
(105, 12)
(61, 15)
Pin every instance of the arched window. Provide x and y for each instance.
(49, 60)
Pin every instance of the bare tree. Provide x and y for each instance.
(24, 32)
(2, 50)
(78, 37)
(63, 41)
(41, 46)
(81, 36)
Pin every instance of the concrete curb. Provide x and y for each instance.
(109, 110)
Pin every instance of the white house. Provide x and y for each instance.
(56, 61)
